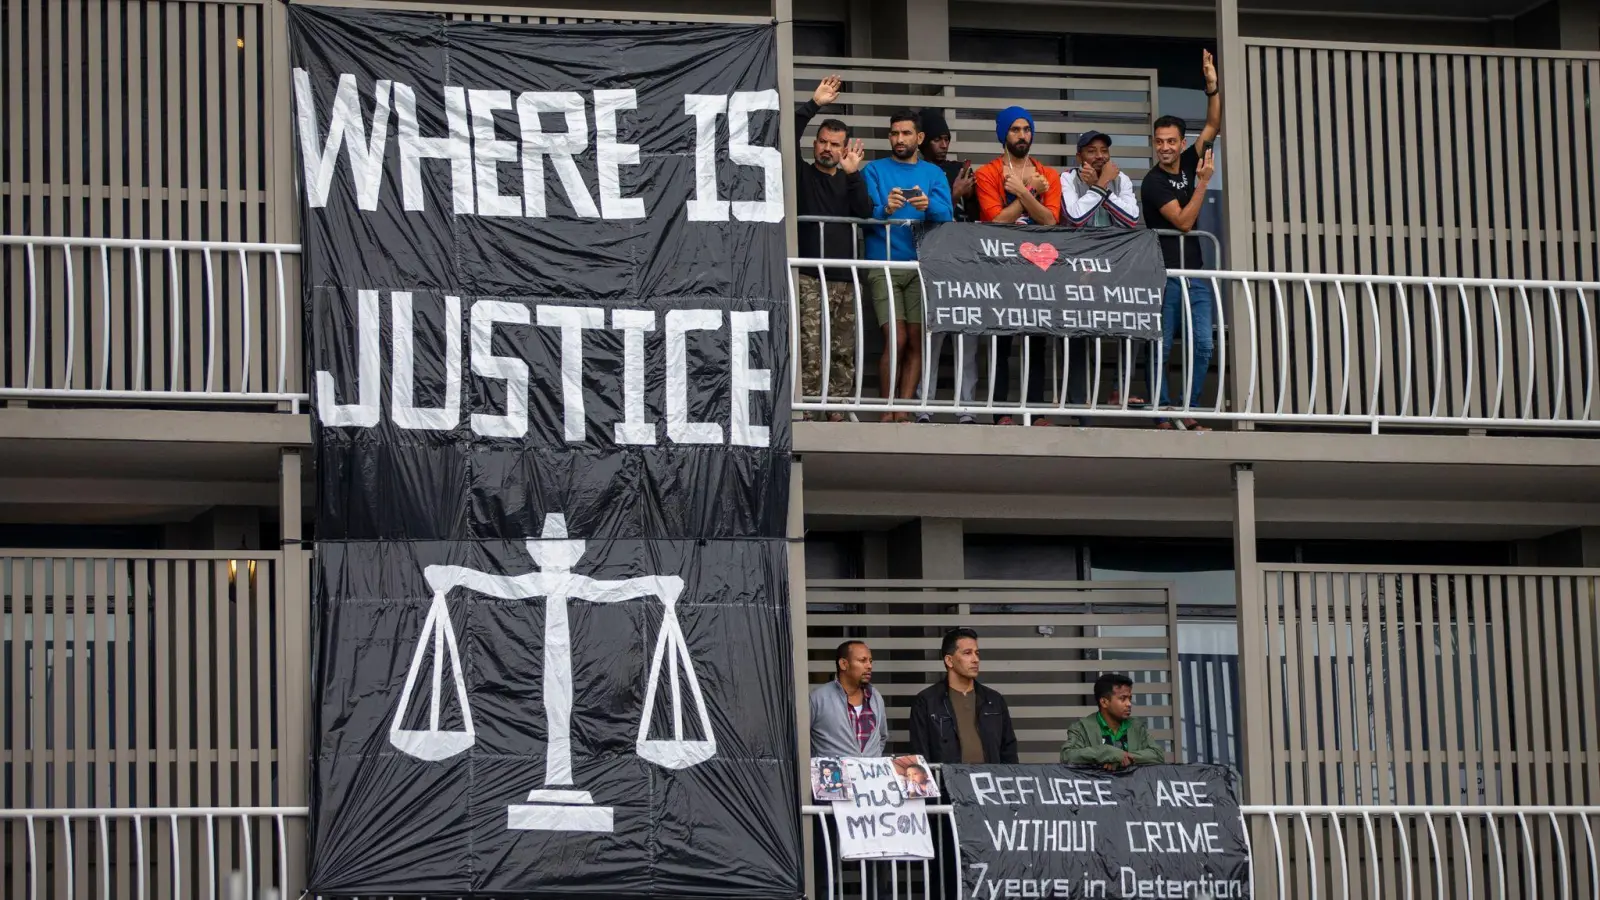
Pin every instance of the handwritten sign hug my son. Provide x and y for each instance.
(992, 279)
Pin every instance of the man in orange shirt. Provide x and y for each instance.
(1014, 189)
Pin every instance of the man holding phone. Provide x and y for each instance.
(904, 187)
(964, 198)
(1174, 192)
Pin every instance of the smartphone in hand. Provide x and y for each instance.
(911, 192)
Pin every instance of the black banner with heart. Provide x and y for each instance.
(1008, 279)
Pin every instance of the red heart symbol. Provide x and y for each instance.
(1041, 255)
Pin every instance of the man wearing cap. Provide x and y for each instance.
(964, 199)
(1095, 195)
(1014, 189)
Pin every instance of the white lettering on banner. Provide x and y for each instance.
(1011, 317)
(1008, 790)
(966, 290)
(1046, 835)
(1140, 295)
(402, 408)
(958, 315)
(344, 127)
(1182, 793)
(414, 148)
(1131, 885)
(743, 378)
(475, 152)
(1111, 320)
(572, 320)
(485, 313)
(707, 205)
(1083, 264)
(679, 323)
(1036, 293)
(997, 248)
(1174, 837)
(489, 153)
(633, 323)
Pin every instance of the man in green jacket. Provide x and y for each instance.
(1113, 737)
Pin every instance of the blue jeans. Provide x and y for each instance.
(1202, 310)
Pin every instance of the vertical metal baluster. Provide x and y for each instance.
(72, 317)
(105, 857)
(861, 316)
(1466, 846)
(177, 320)
(1221, 323)
(1377, 348)
(1277, 846)
(1316, 360)
(33, 860)
(211, 854)
(138, 853)
(283, 325)
(33, 312)
(1311, 851)
(244, 315)
(1189, 373)
(177, 858)
(1436, 391)
(249, 858)
(1372, 847)
(1405, 853)
(1405, 343)
(1493, 412)
(1561, 854)
(794, 334)
(1255, 346)
(1022, 394)
(71, 871)
(216, 320)
(1438, 858)
(1344, 347)
(1338, 843)
(1527, 316)
(1466, 320)
(1594, 864)
(1559, 373)
(1522, 820)
(138, 319)
(1499, 852)
(1588, 353)
(105, 307)
(1283, 346)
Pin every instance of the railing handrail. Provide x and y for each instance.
(145, 244)
(155, 812)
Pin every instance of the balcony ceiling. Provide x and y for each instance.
(1442, 9)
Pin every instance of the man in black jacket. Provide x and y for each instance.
(958, 720)
(831, 186)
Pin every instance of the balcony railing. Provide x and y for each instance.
(1366, 351)
(193, 322)
(1355, 852)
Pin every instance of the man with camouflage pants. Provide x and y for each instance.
(831, 186)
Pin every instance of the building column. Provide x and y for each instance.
(1234, 163)
(294, 630)
(796, 533)
(1253, 708)
(783, 14)
(910, 29)
(928, 548)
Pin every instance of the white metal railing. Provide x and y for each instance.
(213, 322)
(1351, 852)
(1300, 349)
(207, 853)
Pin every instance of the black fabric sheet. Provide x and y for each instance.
(1075, 832)
(1029, 279)
(547, 330)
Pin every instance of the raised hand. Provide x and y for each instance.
(1208, 67)
(827, 91)
(855, 156)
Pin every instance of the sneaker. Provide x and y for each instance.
(923, 418)
(1005, 420)
(966, 419)
(1192, 425)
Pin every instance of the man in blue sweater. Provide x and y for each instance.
(905, 187)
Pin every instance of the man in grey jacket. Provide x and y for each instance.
(846, 713)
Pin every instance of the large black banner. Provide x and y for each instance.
(1011, 279)
(546, 328)
(1070, 832)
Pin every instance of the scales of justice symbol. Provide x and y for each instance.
(556, 806)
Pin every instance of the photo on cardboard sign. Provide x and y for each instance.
(915, 777)
(829, 780)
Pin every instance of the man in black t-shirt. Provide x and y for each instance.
(1173, 193)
